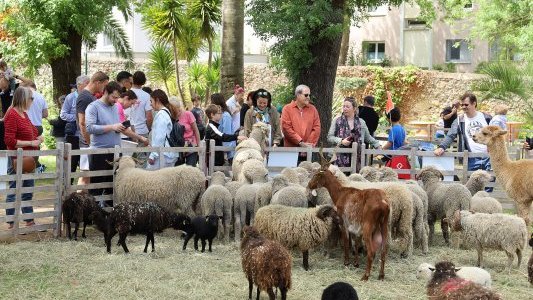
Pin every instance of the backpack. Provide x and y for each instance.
(175, 137)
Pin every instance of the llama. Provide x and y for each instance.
(516, 177)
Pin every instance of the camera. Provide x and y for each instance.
(126, 123)
(529, 141)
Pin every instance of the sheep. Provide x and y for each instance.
(516, 177)
(401, 205)
(266, 263)
(477, 181)
(445, 284)
(77, 208)
(297, 227)
(202, 228)
(285, 193)
(311, 167)
(339, 291)
(252, 168)
(482, 202)
(530, 263)
(251, 148)
(146, 218)
(244, 206)
(492, 231)
(370, 174)
(474, 274)
(357, 177)
(443, 199)
(218, 200)
(263, 195)
(176, 188)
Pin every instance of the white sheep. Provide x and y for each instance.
(252, 168)
(286, 193)
(492, 231)
(474, 274)
(244, 205)
(251, 148)
(297, 227)
(482, 202)
(477, 181)
(443, 199)
(176, 188)
(218, 200)
(357, 177)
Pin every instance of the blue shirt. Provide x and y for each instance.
(396, 136)
(68, 110)
(226, 126)
(161, 128)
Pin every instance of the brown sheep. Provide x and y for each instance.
(266, 263)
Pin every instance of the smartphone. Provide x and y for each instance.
(126, 123)
(529, 140)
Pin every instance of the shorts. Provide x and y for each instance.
(84, 161)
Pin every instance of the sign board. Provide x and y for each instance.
(441, 163)
(282, 159)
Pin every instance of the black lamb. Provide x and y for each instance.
(78, 208)
(340, 291)
(139, 218)
(204, 228)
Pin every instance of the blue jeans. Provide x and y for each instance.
(480, 163)
(25, 196)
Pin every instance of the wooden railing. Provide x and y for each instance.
(48, 196)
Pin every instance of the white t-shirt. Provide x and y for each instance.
(137, 112)
(235, 116)
(35, 113)
(473, 126)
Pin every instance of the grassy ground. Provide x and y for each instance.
(59, 269)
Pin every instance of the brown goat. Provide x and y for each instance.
(363, 213)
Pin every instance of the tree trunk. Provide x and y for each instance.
(67, 68)
(320, 75)
(176, 61)
(209, 62)
(345, 43)
(232, 54)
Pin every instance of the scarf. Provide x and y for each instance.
(262, 115)
(342, 130)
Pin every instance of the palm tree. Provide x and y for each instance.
(232, 52)
(189, 42)
(160, 67)
(209, 14)
(164, 20)
(196, 78)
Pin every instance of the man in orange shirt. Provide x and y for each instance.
(300, 122)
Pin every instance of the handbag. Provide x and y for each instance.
(28, 164)
(400, 162)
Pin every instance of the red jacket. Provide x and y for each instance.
(300, 125)
(18, 128)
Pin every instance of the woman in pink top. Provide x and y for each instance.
(191, 134)
(126, 100)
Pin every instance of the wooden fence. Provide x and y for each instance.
(64, 181)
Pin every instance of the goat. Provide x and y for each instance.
(363, 212)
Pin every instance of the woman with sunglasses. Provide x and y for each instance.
(347, 129)
(262, 111)
(20, 133)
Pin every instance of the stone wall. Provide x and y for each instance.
(438, 89)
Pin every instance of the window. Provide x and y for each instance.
(372, 9)
(106, 41)
(457, 51)
(468, 5)
(415, 23)
(375, 51)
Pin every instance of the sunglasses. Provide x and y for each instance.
(263, 94)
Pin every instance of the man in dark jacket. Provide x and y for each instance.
(367, 113)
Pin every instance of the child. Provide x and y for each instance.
(500, 118)
(214, 114)
(396, 133)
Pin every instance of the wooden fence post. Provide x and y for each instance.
(211, 157)
(353, 163)
(363, 155)
(201, 157)
(116, 156)
(161, 157)
(412, 161)
(18, 192)
(465, 167)
(59, 183)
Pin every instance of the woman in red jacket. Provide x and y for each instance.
(20, 133)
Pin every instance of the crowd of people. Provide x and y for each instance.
(100, 113)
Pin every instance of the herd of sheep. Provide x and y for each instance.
(287, 215)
